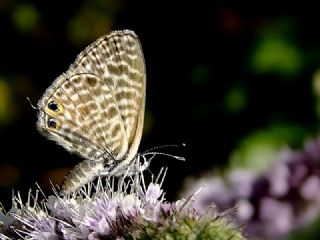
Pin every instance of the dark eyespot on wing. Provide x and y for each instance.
(52, 123)
(52, 105)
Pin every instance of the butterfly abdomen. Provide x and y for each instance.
(81, 174)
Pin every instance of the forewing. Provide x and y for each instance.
(118, 60)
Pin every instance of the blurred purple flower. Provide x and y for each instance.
(270, 204)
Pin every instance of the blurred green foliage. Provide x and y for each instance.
(274, 55)
(92, 20)
(25, 17)
(275, 51)
(316, 92)
(236, 99)
(261, 148)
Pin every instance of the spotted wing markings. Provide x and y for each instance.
(105, 123)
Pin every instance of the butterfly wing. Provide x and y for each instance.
(82, 116)
(96, 108)
(118, 58)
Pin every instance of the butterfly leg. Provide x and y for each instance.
(144, 164)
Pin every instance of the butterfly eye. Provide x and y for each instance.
(52, 123)
(53, 106)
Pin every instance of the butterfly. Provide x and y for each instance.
(96, 108)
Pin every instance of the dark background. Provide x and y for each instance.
(217, 71)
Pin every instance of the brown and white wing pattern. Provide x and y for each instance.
(118, 59)
(96, 108)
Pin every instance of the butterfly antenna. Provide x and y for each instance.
(31, 104)
(164, 146)
(152, 151)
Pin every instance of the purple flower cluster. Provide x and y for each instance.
(106, 212)
(128, 211)
(273, 203)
